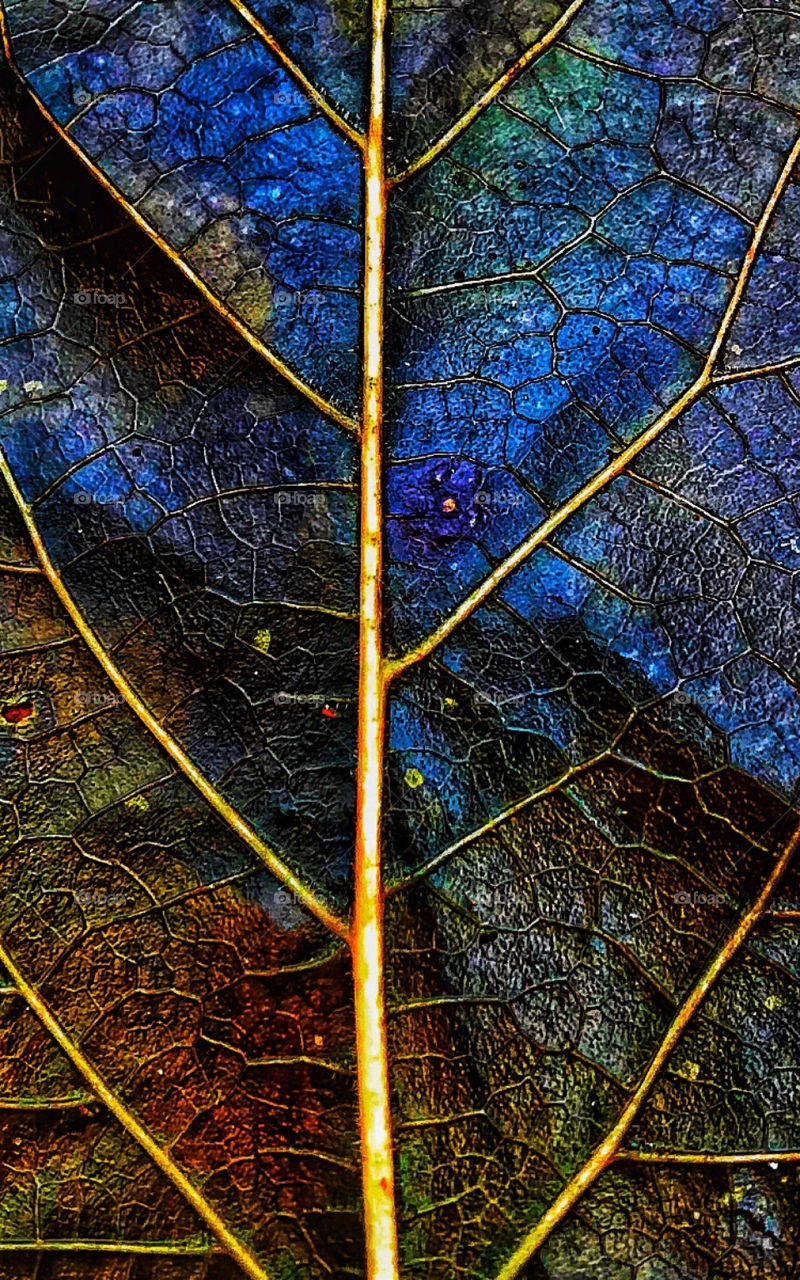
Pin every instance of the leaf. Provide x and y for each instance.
(521, 727)
(132, 909)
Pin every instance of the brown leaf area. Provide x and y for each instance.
(217, 1011)
(567, 937)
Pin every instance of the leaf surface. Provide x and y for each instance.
(567, 615)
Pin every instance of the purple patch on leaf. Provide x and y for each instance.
(433, 505)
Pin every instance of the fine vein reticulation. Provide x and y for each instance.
(298, 75)
(489, 95)
(272, 358)
(618, 464)
(365, 934)
(608, 1148)
(234, 820)
(38, 1007)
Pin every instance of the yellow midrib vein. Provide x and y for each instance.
(367, 938)
(225, 811)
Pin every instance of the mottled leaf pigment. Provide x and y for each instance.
(400, 719)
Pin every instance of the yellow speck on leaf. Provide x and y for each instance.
(261, 640)
(690, 1071)
(137, 802)
(414, 778)
(774, 1002)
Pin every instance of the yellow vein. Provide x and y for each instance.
(488, 96)
(44, 1104)
(367, 931)
(232, 1245)
(617, 464)
(124, 1247)
(298, 75)
(706, 1157)
(759, 371)
(10, 566)
(271, 357)
(608, 1149)
(229, 815)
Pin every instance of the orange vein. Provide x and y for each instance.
(608, 1149)
(298, 75)
(367, 933)
(618, 464)
(234, 820)
(488, 96)
(271, 357)
(233, 1246)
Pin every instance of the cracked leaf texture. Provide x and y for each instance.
(593, 231)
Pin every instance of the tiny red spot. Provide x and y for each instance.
(449, 504)
(384, 1184)
(83, 1111)
(18, 712)
(330, 713)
